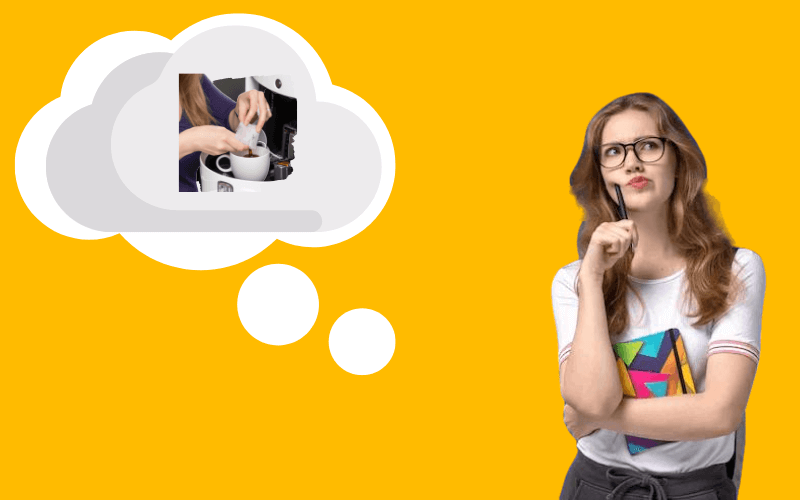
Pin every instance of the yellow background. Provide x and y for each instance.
(120, 379)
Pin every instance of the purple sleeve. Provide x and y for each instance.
(219, 104)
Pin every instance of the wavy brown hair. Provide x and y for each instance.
(699, 236)
(193, 100)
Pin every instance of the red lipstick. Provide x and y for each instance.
(639, 182)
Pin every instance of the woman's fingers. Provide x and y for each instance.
(236, 145)
(616, 237)
(264, 111)
(216, 140)
(241, 107)
(610, 232)
(229, 142)
(624, 235)
(252, 106)
(610, 248)
(631, 231)
(609, 243)
(620, 232)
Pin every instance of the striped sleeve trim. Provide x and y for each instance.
(562, 356)
(735, 347)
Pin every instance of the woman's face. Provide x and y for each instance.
(646, 186)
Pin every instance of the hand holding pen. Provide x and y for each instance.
(610, 241)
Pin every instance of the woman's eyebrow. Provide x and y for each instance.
(631, 142)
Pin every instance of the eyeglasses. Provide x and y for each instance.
(646, 149)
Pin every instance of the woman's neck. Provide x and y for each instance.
(656, 255)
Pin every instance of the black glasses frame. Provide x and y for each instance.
(663, 140)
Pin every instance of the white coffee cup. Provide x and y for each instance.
(248, 169)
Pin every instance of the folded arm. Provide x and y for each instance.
(589, 376)
(730, 371)
(715, 412)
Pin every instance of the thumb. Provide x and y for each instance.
(238, 145)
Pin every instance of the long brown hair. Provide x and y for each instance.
(193, 100)
(698, 235)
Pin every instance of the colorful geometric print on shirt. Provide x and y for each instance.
(653, 366)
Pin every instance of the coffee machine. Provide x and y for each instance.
(277, 134)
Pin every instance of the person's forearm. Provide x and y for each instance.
(688, 417)
(185, 143)
(592, 384)
(233, 120)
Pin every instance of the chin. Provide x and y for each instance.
(647, 205)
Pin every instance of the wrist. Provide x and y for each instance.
(233, 119)
(589, 276)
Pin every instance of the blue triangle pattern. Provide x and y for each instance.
(652, 344)
(659, 389)
(635, 448)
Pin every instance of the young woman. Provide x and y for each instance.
(207, 119)
(669, 266)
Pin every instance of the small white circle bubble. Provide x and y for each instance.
(278, 304)
(361, 341)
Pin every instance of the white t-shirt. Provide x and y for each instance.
(738, 331)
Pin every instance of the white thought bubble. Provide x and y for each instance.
(278, 304)
(362, 341)
(196, 249)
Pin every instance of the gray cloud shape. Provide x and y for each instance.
(112, 165)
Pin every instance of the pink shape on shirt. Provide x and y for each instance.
(639, 378)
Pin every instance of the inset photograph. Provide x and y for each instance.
(235, 134)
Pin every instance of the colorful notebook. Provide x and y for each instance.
(653, 366)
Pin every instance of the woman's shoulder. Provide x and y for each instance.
(205, 82)
(746, 258)
(568, 273)
(748, 264)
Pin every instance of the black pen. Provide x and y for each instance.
(623, 213)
